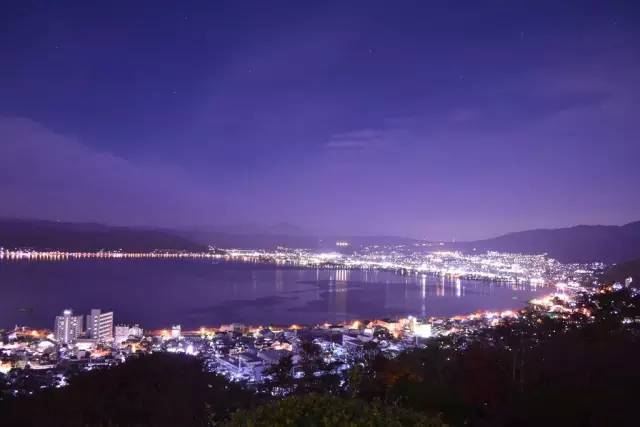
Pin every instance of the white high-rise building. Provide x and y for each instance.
(100, 325)
(68, 327)
(176, 332)
(124, 332)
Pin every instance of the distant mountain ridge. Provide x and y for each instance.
(268, 240)
(581, 243)
(51, 235)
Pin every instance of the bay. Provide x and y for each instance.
(157, 293)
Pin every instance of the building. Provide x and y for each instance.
(100, 325)
(85, 344)
(136, 331)
(124, 332)
(176, 332)
(121, 333)
(423, 330)
(67, 327)
(245, 366)
(353, 346)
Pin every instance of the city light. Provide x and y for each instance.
(243, 352)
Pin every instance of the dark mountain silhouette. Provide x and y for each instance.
(52, 235)
(221, 239)
(265, 240)
(582, 243)
(619, 272)
(43, 235)
(250, 236)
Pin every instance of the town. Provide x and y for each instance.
(33, 359)
(418, 258)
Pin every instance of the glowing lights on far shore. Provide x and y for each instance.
(536, 270)
(62, 255)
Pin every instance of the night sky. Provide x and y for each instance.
(432, 119)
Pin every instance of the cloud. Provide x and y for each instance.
(356, 140)
(47, 175)
(545, 103)
(363, 139)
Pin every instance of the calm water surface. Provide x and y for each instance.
(158, 293)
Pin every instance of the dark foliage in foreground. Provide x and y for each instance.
(326, 411)
(581, 378)
(157, 390)
(534, 371)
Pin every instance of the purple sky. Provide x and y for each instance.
(429, 119)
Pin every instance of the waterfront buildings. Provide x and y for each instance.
(100, 325)
(67, 328)
(244, 352)
(176, 332)
(124, 332)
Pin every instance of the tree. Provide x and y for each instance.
(610, 308)
(327, 411)
(157, 390)
(3, 385)
(281, 381)
(534, 370)
(318, 375)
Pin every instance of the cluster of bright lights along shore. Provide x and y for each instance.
(536, 270)
(243, 353)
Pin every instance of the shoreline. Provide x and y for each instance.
(302, 259)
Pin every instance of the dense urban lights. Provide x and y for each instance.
(536, 270)
(243, 352)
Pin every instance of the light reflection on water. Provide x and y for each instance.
(157, 293)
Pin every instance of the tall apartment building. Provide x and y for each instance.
(67, 327)
(100, 325)
(176, 332)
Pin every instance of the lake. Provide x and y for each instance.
(159, 292)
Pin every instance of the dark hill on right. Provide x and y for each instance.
(620, 272)
(582, 243)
